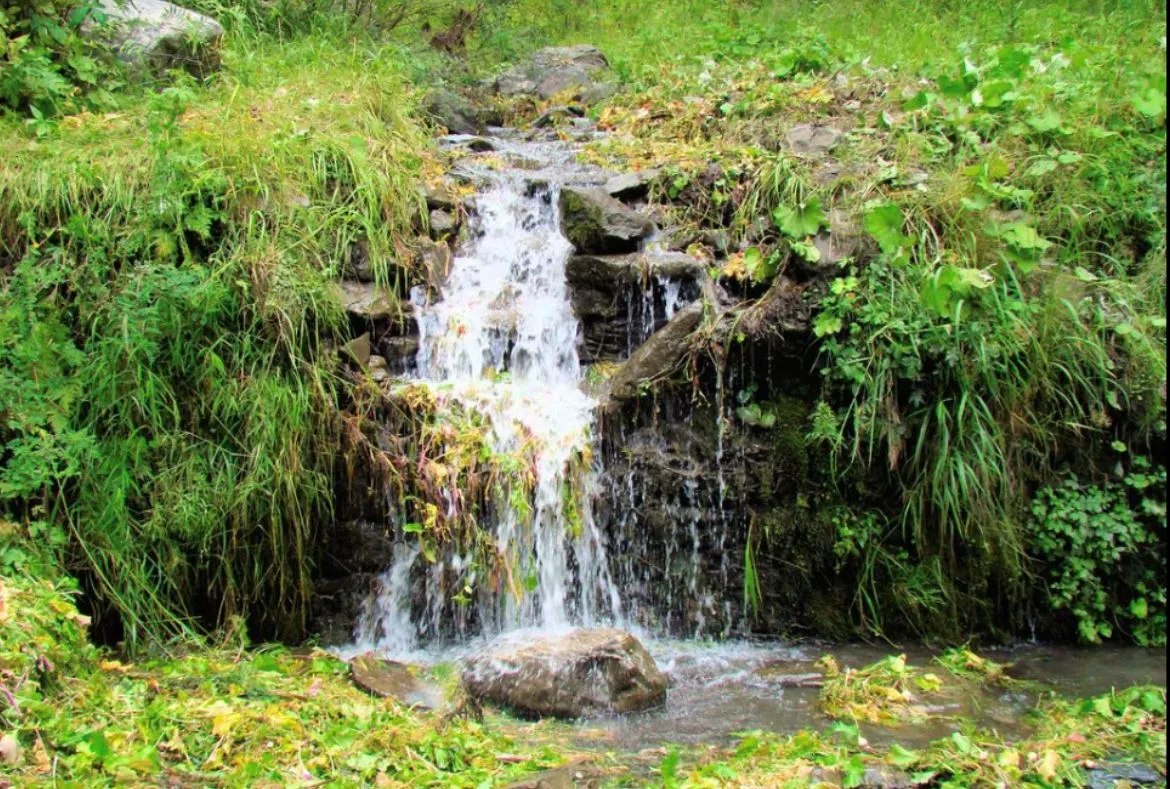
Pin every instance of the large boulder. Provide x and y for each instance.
(596, 223)
(553, 70)
(158, 35)
(583, 672)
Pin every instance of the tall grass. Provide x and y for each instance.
(186, 272)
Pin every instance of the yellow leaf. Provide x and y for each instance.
(114, 665)
(222, 724)
(1009, 758)
(1048, 764)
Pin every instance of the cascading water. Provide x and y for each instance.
(501, 341)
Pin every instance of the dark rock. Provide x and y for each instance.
(399, 351)
(583, 672)
(811, 138)
(1107, 776)
(783, 307)
(597, 223)
(481, 145)
(454, 112)
(367, 300)
(553, 114)
(631, 185)
(656, 358)
(158, 36)
(621, 299)
(389, 679)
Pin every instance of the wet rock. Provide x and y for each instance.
(656, 358)
(631, 185)
(367, 300)
(399, 352)
(434, 259)
(783, 307)
(442, 223)
(159, 36)
(378, 369)
(440, 197)
(390, 679)
(553, 115)
(619, 299)
(453, 112)
(555, 70)
(480, 145)
(583, 672)
(813, 139)
(1107, 776)
(599, 224)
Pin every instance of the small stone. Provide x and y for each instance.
(367, 300)
(810, 138)
(358, 349)
(10, 751)
(442, 223)
(376, 363)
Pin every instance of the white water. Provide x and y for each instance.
(501, 340)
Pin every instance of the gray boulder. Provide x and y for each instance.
(631, 185)
(158, 35)
(552, 70)
(367, 300)
(599, 224)
(454, 112)
(583, 672)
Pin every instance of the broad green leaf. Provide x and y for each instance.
(1046, 121)
(801, 221)
(827, 323)
(901, 757)
(885, 222)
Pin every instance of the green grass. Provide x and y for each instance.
(168, 300)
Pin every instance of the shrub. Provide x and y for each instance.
(46, 66)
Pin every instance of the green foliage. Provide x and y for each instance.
(167, 399)
(1102, 548)
(46, 66)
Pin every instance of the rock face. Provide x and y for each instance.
(596, 223)
(582, 69)
(161, 35)
(657, 357)
(621, 299)
(580, 673)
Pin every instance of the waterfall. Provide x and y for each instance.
(500, 340)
